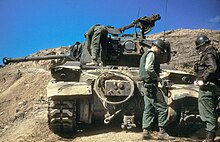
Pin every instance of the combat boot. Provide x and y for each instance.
(93, 63)
(163, 135)
(146, 135)
(210, 137)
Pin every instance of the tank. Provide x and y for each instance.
(79, 94)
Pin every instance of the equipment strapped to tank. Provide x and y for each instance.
(120, 85)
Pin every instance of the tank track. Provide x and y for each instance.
(62, 115)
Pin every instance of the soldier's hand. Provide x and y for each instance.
(195, 82)
(159, 79)
(200, 82)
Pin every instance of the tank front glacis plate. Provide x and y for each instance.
(68, 89)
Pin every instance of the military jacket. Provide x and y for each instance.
(208, 67)
(150, 75)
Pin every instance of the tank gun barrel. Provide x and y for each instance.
(25, 59)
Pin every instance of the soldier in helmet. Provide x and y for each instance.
(146, 24)
(154, 102)
(207, 71)
(96, 42)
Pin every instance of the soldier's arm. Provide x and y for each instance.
(211, 68)
(88, 35)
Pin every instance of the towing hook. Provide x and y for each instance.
(107, 120)
(108, 116)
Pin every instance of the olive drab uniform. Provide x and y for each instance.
(153, 99)
(146, 24)
(96, 36)
(208, 70)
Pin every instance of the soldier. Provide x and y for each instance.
(96, 36)
(146, 24)
(154, 101)
(207, 71)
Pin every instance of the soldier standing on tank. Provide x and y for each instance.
(96, 43)
(207, 71)
(154, 102)
(146, 24)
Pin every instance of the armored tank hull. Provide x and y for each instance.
(83, 94)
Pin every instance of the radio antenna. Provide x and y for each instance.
(165, 20)
(136, 23)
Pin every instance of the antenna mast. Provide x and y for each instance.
(136, 23)
(165, 20)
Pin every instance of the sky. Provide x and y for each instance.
(27, 26)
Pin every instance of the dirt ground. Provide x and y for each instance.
(23, 101)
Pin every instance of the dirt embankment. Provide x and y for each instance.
(23, 102)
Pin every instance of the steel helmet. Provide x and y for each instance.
(201, 40)
(155, 17)
(159, 43)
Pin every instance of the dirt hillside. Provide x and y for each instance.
(23, 102)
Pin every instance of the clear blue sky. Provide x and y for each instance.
(27, 26)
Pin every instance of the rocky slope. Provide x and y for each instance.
(183, 42)
(23, 102)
